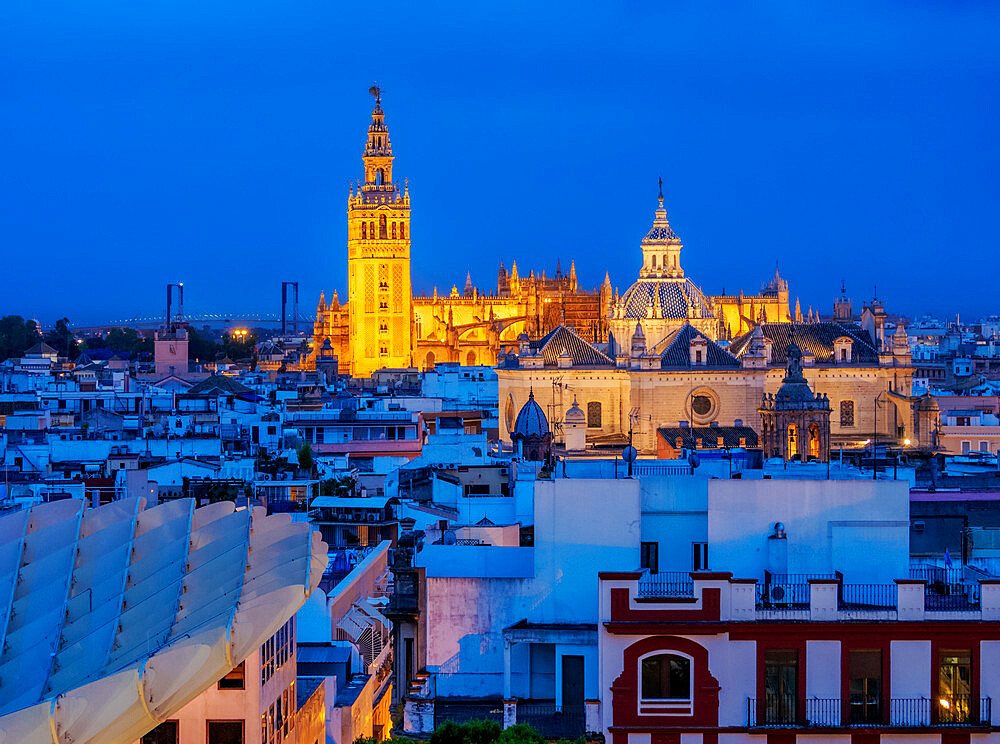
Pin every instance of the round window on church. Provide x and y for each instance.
(701, 405)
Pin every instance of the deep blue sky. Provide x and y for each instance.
(213, 143)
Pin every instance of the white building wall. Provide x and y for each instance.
(910, 669)
(989, 684)
(823, 669)
(828, 526)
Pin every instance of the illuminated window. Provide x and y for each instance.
(955, 685)
(847, 413)
(371, 230)
(235, 679)
(594, 414)
(666, 677)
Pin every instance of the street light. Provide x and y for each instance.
(875, 438)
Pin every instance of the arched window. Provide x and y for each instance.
(429, 360)
(402, 230)
(393, 230)
(594, 415)
(508, 413)
(383, 230)
(666, 677)
(470, 359)
(364, 230)
(371, 230)
(654, 260)
(814, 440)
(793, 441)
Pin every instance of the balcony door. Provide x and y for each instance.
(865, 686)
(781, 685)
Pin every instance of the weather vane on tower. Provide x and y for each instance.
(376, 91)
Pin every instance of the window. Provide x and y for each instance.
(984, 446)
(594, 415)
(697, 356)
(383, 231)
(955, 686)
(843, 353)
(393, 229)
(364, 230)
(165, 733)
(649, 556)
(402, 230)
(865, 686)
(666, 677)
(966, 447)
(847, 413)
(701, 404)
(699, 556)
(781, 683)
(225, 732)
(235, 679)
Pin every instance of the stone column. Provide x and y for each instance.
(509, 713)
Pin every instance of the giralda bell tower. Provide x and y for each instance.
(378, 259)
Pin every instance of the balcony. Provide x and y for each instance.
(666, 584)
(960, 711)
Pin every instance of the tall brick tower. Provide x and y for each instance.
(378, 259)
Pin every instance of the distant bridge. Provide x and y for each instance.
(197, 320)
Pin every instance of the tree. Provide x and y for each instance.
(62, 340)
(201, 348)
(343, 486)
(305, 457)
(16, 336)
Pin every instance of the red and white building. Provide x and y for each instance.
(729, 660)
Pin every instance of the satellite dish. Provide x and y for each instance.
(629, 453)
(448, 538)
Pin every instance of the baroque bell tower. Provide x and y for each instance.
(378, 259)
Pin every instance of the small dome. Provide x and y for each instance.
(926, 402)
(575, 414)
(531, 419)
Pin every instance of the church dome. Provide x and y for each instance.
(531, 420)
(926, 402)
(670, 298)
(575, 414)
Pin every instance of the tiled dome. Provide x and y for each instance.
(673, 298)
(531, 420)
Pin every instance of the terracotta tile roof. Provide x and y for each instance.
(222, 384)
(816, 338)
(563, 338)
(709, 436)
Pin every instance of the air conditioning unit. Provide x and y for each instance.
(778, 595)
(372, 517)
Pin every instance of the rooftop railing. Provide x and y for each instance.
(785, 711)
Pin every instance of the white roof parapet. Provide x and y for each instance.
(114, 618)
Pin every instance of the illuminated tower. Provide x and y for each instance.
(378, 259)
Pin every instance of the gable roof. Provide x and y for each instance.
(815, 338)
(674, 350)
(559, 340)
(41, 348)
(221, 384)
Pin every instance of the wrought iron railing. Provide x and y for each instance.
(570, 722)
(666, 584)
(782, 711)
(867, 597)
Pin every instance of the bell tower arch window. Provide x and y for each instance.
(371, 230)
(364, 230)
(383, 229)
(402, 230)
(394, 230)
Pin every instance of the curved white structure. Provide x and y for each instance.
(113, 618)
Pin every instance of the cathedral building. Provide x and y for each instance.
(670, 362)
(383, 325)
